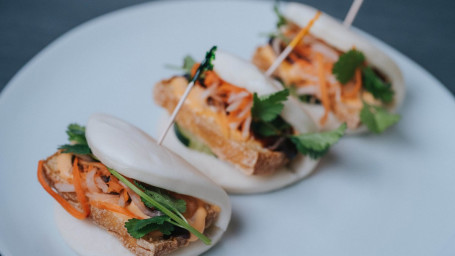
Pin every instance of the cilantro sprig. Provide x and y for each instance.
(188, 63)
(346, 65)
(377, 119)
(78, 145)
(317, 144)
(152, 197)
(266, 108)
(281, 19)
(344, 70)
(178, 206)
(265, 113)
(372, 83)
(137, 226)
(267, 122)
(206, 64)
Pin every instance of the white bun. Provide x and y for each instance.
(85, 238)
(335, 34)
(242, 73)
(134, 154)
(234, 180)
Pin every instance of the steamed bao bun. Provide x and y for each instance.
(136, 155)
(336, 35)
(242, 73)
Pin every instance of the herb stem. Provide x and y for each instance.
(175, 223)
(182, 222)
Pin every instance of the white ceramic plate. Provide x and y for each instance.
(372, 195)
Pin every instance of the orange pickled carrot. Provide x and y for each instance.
(304, 31)
(80, 193)
(65, 204)
(125, 195)
(211, 78)
(323, 87)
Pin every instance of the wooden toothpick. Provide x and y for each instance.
(303, 32)
(352, 13)
(206, 64)
(176, 111)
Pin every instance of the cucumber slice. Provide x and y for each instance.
(190, 141)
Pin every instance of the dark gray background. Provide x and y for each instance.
(421, 29)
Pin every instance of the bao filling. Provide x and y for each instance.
(236, 125)
(104, 196)
(232, 105)
(308, 71)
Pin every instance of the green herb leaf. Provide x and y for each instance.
(266, 112)
(376, 118)
(174, 219)
(264, 129)
(188, 63)
(372, 83)
(317, 144)
(139, 228)
(76, 135)
(281, 19)
(277, 127)
(266, 108)
(162, 197)
(346, 65)
(206, 64)
(80, 149)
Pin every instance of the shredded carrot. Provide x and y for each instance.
(114, 185)
(323, 87)
(211, 78)
(113, 208)
(125, 195)
(299, 61)
(78, 187)
(65, 204)
(222, 93)
(229, 88)
(358, 84)
(303, 51)
(240, 108)
(304, 31)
